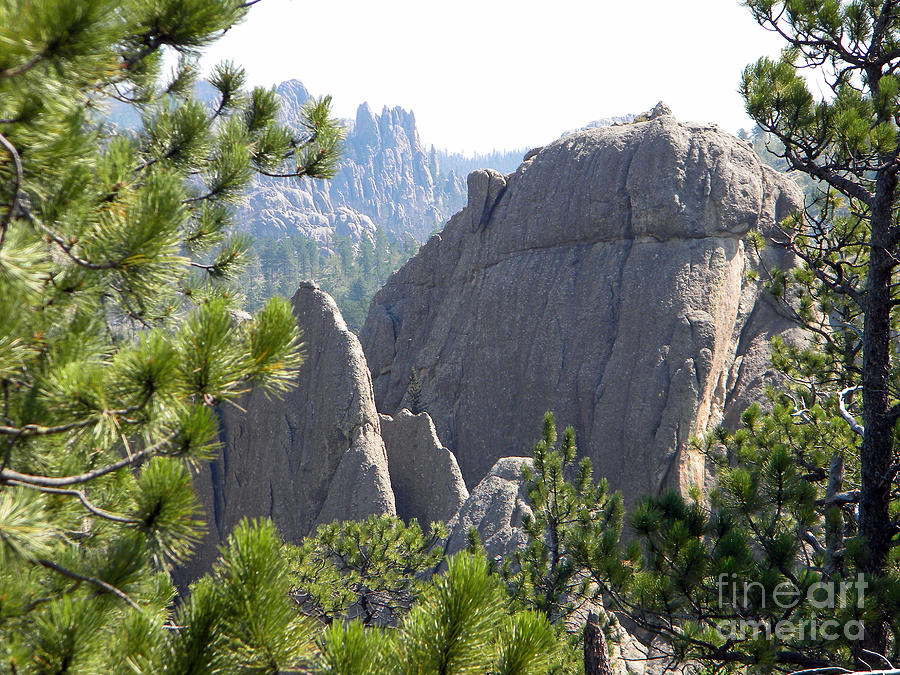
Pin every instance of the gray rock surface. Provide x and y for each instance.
(603, 122)
(312, 457)
(425, 477)
(605, 280)
(385, 179)
(495, 508)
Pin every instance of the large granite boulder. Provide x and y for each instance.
(606, 280)
(312, 457)
(425, 477)
(495, 508)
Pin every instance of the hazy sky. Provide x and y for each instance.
(485, 74)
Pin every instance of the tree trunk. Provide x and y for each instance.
(878, 440)
(834, 536)
(596, 660)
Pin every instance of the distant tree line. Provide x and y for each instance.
(443, 162)
(351, 272)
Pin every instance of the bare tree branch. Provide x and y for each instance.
(854, 425)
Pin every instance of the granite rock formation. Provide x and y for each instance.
(312, 457)
(425, 477)
(605, 280)
(494, 508)
(385, 179)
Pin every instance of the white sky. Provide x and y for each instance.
(486, 74)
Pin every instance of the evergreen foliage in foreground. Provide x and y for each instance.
(118, 336)
(545, 575)
(463, 623)
(371, 570)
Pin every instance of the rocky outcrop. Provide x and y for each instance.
(385, 179)
(603, 122)
(494, 508)
(606, 280)
(425, 477)
(312, 457)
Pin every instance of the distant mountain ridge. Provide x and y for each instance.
(386, 179)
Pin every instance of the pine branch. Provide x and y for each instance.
(24, 67)
(7, 475)
(17, 184)
(151, 45)
(97, 511)
(296, 174)
(99, 583)
(828, 43)
(68, 246)
(36, 430)
(827, 174)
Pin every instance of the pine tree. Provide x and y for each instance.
(413, 397)
(807, 496)
(545, 575)
(463, 624)
(849, 239)
(372, 570)
(120, 333)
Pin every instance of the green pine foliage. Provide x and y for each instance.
(463, 624)
(413, 398)
(566, 516)
(371, 570)
(771, 151)
(239, 618)
(120, 333)
(373, 584)
(352, 649)
(790, 563)
(744, 579)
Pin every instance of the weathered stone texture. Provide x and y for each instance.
(425, 477)
(495, 508)
(606, 280)
(312, 457)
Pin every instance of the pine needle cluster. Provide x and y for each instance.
(120, 333)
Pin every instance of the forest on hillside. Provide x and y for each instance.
(350, 272)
